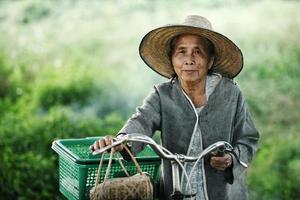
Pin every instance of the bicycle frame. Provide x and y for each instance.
(177, 160)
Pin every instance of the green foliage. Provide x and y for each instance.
(76, 91)
(276, 171)
(5, 72)
(26, 174)
(29, 165)
(51, 106)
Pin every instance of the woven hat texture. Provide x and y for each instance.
(155, 45)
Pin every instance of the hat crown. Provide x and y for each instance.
(155, 47)
(197, 21)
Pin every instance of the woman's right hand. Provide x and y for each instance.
(105, 141)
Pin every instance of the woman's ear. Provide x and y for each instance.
(211, 62)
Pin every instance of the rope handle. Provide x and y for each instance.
(121, 163)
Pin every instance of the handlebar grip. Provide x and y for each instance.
(220, 152)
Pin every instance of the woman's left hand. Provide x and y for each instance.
(221, 162)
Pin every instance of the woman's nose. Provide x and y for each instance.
(190, 60)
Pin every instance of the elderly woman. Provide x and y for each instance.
(200, 104)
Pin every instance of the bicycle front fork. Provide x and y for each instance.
(177, 193)
(175, 177)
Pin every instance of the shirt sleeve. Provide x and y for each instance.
(245, 137)
(146, 120)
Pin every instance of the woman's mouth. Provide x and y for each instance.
(189, 70)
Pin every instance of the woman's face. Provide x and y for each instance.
(190, 59)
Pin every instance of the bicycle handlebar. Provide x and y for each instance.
(165, 153)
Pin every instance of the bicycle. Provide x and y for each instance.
(177, 160)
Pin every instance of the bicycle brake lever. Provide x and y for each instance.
(238, 159)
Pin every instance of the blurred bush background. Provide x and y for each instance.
(70, 69)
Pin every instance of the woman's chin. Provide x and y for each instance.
(190, 79)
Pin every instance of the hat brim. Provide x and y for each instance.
(155, 44)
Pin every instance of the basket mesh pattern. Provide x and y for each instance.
(68, 178)
(76, 180)
(81, 150)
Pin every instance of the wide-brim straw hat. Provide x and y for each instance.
(155, 46)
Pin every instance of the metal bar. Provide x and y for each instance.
(175, 176)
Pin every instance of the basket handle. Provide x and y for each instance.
(121, 163)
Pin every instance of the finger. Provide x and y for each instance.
(218, 160)
(118, 148)
(96, 145)
(91, 148)
(215, 165)
(228, 160)
(101, 143)
(218, 163)
(108, 140)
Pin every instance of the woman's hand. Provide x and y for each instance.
(221, 162)
(105, 141)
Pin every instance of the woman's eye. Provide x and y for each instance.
(197, 52)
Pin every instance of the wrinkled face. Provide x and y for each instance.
(190, 58)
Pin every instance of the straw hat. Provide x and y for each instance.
(155, 45)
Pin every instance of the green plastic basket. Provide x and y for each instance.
(78, 167)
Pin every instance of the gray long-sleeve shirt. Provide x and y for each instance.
(197, 178)
(225, 117)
